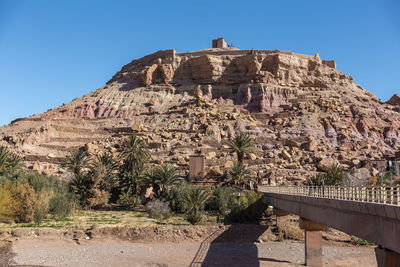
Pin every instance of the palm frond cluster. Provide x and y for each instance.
(9, 161)
(125, 177)
(334, 176)
(243, 146)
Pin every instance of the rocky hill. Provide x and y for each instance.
(302, 112)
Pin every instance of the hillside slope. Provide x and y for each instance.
(300, 109)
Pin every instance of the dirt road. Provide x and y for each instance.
(112, 252)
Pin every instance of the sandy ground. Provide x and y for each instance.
(113, 252)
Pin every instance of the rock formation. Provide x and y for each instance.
(300, 110)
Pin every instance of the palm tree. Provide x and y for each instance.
(77, 161)
(318, 179)
(240, 175)
(335, 175)
(132, 182)
(135, 153)
(81, 185)
(103, 169)
(162, 178)
(9, 161)
(242, 145)
(195, 201)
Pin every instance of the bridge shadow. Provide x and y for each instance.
(234, 245)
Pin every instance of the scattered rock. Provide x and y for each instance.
(326, 163)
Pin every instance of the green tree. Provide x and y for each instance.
(334, 176)
(9, 161)
(240, 175)
(318, 179)
(196, 200)
(132, 182)
(162, 178)
(103, 171)
(135, 153)
(77, 162)
(242, 145)
(81, 185)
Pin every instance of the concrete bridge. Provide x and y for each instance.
(371, 213)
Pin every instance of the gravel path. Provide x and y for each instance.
(110, 252)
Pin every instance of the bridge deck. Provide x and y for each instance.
(366, 212)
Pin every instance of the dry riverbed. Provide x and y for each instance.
(167, 246)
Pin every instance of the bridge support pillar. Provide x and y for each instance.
(313, 242)
(386, 258)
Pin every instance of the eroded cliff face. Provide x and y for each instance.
(259, 81)
(299, 108)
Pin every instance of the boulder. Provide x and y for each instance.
(293, 143)
(286, 155)
(137, 127)
(311, 145)
(359, 176)
(326, 163)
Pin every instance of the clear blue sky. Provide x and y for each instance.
(54, 51)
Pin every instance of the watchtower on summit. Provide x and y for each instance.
(219, 43)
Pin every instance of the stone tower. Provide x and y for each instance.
(219, 43)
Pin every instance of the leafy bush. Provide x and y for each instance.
(223, 199)
(158, 209)
(39, 216)
(129, 201)
(177, 197)
(248, 209)
(45, 188)
(60, 205)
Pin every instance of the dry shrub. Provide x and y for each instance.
(290, 230)
(26, 202)
(17, 202)
(7, 205)
(99, 198)
(158, 209)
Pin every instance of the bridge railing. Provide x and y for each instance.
(373, 194)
